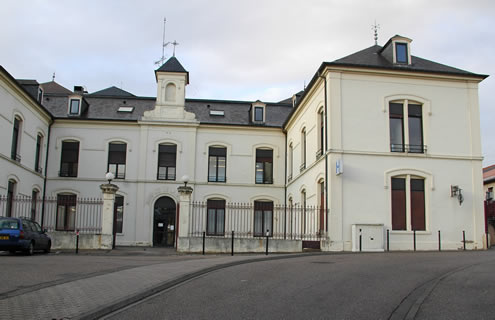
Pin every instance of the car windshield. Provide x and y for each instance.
(9, 224)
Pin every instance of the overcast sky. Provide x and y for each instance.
(239, 50)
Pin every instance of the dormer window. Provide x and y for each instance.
(74, 106)
(401, 54)
(258, 112)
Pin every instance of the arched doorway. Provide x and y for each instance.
(164, 222)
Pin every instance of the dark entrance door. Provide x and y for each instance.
(164, 223)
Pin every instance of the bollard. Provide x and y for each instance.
(267, 234)
(360, 240)
(232, 242)
(464, 239)
(414, 239)
(77, 241)
(388, 240)
(204, 239)
(439, 242)
(487, 239)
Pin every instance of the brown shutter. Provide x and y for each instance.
(399, 204)
(418, 204)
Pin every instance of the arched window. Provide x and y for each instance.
(303, 149)
(264, 166)
(119, 213)
(290, 162)
(408, 203)
(321, 136)
(217, 164)
(215, 222)
(406, 126)
(167, 157)
(321, 189)
(263, 218)
(10, 197)
(66, 212)
(69, 162)
(117, 152)
(16, 137)
(37, 155)
(170, 92)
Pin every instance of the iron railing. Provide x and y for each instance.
(248, 220)
(60, 213)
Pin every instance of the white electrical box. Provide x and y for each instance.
(368, 237)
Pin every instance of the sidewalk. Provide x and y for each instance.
(96, 296)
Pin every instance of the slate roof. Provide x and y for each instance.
(371, 58)
(112, 91)
(31, 86)
(489, 174)
(172, 65)
(54, 88)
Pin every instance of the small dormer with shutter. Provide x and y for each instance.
(398, 50)
(258, 112)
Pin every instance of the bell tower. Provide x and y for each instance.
(171, 79)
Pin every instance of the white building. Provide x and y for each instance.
(375, 143)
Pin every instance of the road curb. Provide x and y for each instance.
(103, 311)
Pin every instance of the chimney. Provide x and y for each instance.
(80, 90)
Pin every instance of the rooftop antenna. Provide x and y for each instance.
(164, 44)
(175, 43)
(375, 28)
(53, 77)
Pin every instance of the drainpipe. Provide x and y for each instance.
(46, 173)
(325, 148)
(285, 188)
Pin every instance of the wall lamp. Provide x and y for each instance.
(110, 176)
(455, 191)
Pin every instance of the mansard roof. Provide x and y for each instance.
(372, 58)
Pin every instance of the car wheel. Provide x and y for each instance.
(47, 250)
(30, 249)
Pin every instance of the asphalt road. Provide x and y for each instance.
(432, 285)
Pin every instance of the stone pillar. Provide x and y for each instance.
(109, 191)
(184, 213)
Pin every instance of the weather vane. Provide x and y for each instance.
(53, 77)
(375, 28)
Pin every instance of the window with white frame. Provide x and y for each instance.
(303, 149)
(264, 166)
(74, 106)
(117, 152)
(16, 137)
(408, 203)
(217, 164)
(215, 221)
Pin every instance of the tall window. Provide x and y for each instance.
(321, 140)
(303, 205)
(215, 222)
(37, 155)
(167, 155)
(66, 212)
(217, 164)
(10, 198)
(406, 127)
(14, 154)
(406, 190)
(264, 166)
(34, 202)
(118, 214)
(117, 159)
(303, 149)
(290, 162)
(70, 159)
(263, 218)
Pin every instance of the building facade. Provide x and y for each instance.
(368, 144)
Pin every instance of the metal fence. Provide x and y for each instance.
(61, 213)
(248, 220)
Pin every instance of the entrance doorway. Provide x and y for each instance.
(164, 223)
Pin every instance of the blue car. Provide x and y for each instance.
(20, 234)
